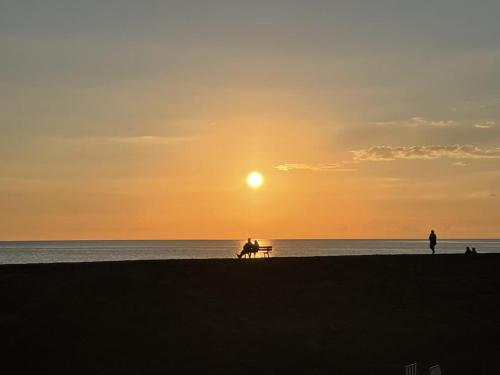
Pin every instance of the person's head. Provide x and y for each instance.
(467, 248)
(432, 230)
(473, 249)
(255, 241)
(249, 240)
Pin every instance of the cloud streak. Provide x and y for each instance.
(419, 121)
(386, 153)
(389, 153)
(318, 167)
(484, 125)
(143, 139)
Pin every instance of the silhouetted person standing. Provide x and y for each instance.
(432, 241)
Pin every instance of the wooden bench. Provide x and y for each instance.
(265, 250)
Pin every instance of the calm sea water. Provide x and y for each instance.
(99, 251)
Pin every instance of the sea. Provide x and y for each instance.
(21, 252)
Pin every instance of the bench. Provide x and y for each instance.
(265, 250)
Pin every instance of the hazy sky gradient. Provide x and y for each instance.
(128, 119)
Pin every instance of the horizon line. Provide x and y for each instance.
(257, 238)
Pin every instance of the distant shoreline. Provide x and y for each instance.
(111, 250)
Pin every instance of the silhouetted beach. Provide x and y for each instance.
(325, 315)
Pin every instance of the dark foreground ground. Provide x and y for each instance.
(336, 315)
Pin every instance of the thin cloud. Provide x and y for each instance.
(385, 153)
(484, 125)
(337, 167)
(490, 103)
(422, 121)
(146, 139)
(419, 121)
(460, 164)
(143, 139)
(480, 195)
(475, 105)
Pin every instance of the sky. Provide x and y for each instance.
(141, 119)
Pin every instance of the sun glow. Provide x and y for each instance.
(255, 180)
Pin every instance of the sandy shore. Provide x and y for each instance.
(335, 315)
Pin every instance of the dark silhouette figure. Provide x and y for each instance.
(468, 250)
(247, 249)
(432, 241)
(255, 248)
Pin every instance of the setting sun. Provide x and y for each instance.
(255, 180)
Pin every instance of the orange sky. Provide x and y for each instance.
(144, 121)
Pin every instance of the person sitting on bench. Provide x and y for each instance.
(247, 248)
(255, 248)
(469, 251)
